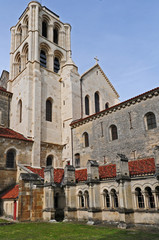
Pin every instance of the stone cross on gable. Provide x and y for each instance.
(96, 59)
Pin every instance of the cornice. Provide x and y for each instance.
(132, 101)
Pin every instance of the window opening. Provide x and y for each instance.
(44, 29)
(43, 59)
(97, 108)
(48, 111)
(56, 35)
(56, 65)
(86, 105)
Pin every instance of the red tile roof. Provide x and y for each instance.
(142, 166)
(39, 171)
(9, 133)
(81, 175)
(58, 173)
(11, 194)
(107, 171)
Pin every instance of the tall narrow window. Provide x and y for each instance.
(20, 111)
(113, 132)
(150, 120)
(48, 110)
(86, 198)
(97, 103)
(55, 35)
(81, 199)
(49, 160)
(106, 105)
(140, 198)
(86, 105)
(150, 197)
(44, 29)
(106, 199)
(43, 61)
(86, 139)
(56, 65)
(114, 198)
(10, 159)
(77, 160)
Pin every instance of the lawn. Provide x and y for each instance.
(70, 231)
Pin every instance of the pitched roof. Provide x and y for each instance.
(107, 171)
(81, 175)
(39, 171)
(12, 194)
(110, 84)
(9, 133)
(58, 173)
(142, 166)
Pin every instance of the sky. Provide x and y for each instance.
(123, 34)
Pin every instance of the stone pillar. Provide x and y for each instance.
(68, 40)
(70, 194)
(94, 190)
(48, 208)
(126, 213)
(156, 153)
(30, 197)
(50, 32)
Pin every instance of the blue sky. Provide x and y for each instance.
(123, 34)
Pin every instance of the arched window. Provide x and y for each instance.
(114, 198)
(55, 35)
(49, 160)
(56, 65)
(113, 132)
(25, 55)
(86, 139)
(157, 196)
(20, 111)
(106, 105)
(10, 159)
(86, 105)
(97, 103)
(49, 110)
(140, 198)
(81, 199)
(86, 199)
(43, 60)
(44, 29)
(106, 199)
(150, 120)
(56, 199)
(150, 197)
(77, 160)
(19, 36)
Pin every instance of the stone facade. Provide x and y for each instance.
(5, 98)
(73, 151)
(134, 139)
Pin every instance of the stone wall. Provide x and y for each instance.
(30, 203)
(4, 108)
(23, 155)
(134, 139)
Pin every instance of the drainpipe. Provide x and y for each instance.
(72, 143)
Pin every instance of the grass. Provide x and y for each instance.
(70, 231)
(3, 220)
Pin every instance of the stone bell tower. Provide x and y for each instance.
(43, 80)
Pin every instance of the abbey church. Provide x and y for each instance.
(69, 149)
